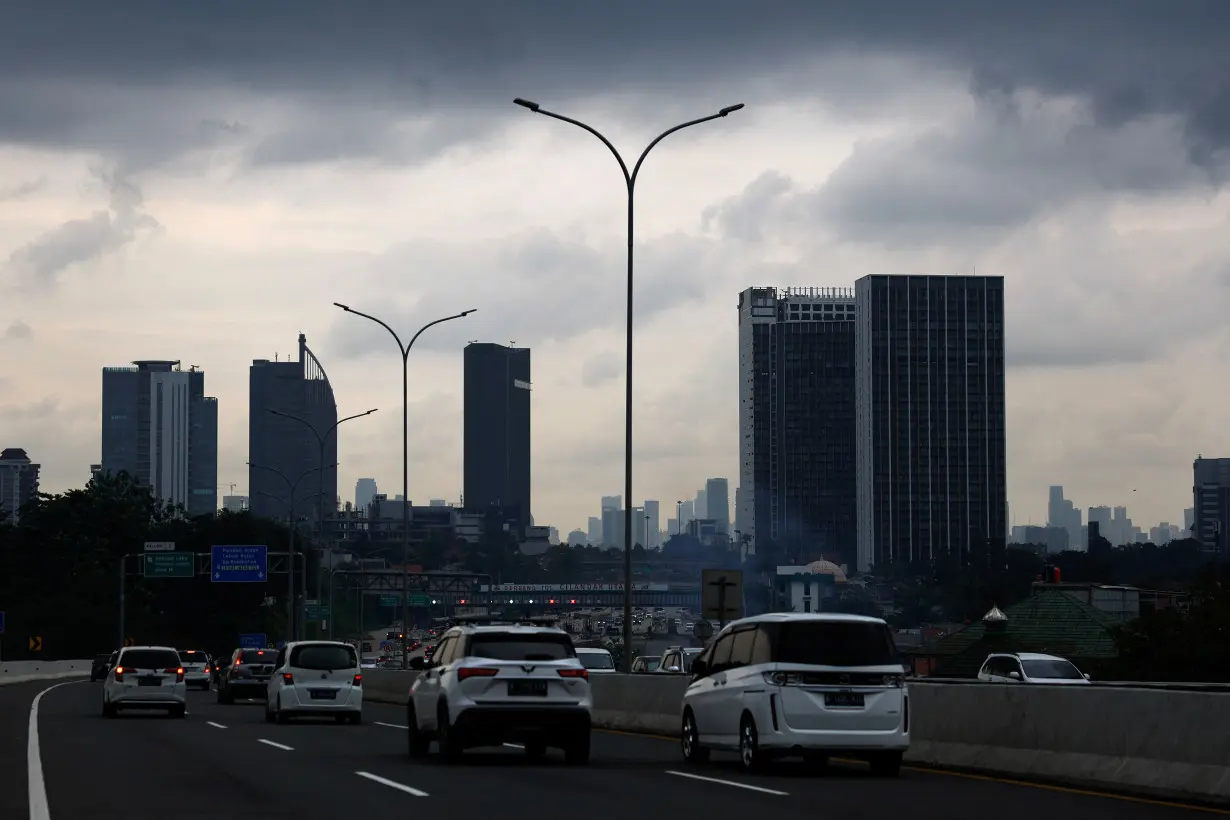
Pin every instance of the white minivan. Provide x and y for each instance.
(145, 677)
(784, 684)
(315, 678)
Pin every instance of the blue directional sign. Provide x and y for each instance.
(244, 564)
(1, 622)
(253, 640)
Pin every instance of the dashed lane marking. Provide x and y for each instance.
(215, 725)
(392, 784)
(389, 725)
(733, 783)
(276, 745)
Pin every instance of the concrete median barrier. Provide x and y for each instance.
(1145, 741)
(23, 671)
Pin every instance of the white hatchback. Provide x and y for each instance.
(145, 677)
(315, 678)
(815, 685)
(196, 667)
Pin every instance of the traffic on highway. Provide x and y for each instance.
(500, 719)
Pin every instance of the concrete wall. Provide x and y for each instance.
(22, 671)
(1170, 744)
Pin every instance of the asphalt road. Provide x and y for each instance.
(225, 761)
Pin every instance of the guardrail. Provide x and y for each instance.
(1150, 739)
(1169, 686)
(23, 671)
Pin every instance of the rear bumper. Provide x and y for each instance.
(247, 687)
(493, 725)
(151, 698)
(298, 699)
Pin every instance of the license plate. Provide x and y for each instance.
(149, 681)
(849, 700)
(527, 688)
(323, 694)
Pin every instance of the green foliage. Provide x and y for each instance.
(1170, 645)
(60, 574)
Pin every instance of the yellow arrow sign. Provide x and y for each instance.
(36, 643)
(130, 642)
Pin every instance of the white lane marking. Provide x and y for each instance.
(392, 784)
(390, 725)
(215, 725)
(34, 760)
(734, 783)
(276, 745)
(514, 746)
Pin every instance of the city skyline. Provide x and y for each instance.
(213, 203)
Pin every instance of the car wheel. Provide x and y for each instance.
(536, 750)
(355, 719)
(576, 753)
(886, 764)
(418, 744)
(269, 717)
(750, 756)
(109, 711)
(446, 737)
(689, 740)
(177, 711)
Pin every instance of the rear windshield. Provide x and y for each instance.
(324, 657)
(512, 647)
(1052, 669)
(149, 659)
(596, 660)
(191, 656)
(257, 656)
(830, 643)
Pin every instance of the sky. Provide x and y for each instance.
(203, 181)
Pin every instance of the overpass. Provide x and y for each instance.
(1167, 743)
(590, 595)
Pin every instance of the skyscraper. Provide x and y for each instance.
(796, 421)
(717, 503)
(497, 429)
(653, 513)
(160, 427)
(364, 491)
(18, 482)
(932, 481)
(300, 388)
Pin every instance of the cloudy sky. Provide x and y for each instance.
(203, 181)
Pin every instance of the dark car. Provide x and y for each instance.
(217, 671)
(102, 665)
(247, 675)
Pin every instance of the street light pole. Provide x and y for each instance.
(630, 182)
(321, 439)
(292, 488)
(404, 350)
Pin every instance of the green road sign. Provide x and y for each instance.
(419, 599)
(391, 601)
(316, 612)
(170, 565)
(416, 599)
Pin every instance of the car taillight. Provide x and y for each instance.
(119, 673)
(476, 672)
(288, 679)
(178, 671)
(574, 673)
(358, 680)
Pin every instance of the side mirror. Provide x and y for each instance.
(1087, 676)
(1014, 675)
(418, 663)
(675, 670)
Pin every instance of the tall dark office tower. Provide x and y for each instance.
(299, 388)
(160, 427)
(796, 421)
(932, 480)
(497, 429)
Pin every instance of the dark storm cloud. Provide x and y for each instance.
(1131, 58)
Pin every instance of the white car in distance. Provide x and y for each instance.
(315, 678)
(196, 667)
(1030, 667)
(145, 677)
(597, 661)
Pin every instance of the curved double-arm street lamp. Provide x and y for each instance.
(292, 490)
(404, 350)
(630, 178)
(321, 439)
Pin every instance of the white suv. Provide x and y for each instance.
(145, 677)
(315, 678)
(1028, 667)
(490, 685)
(196, 667)
(787, 684)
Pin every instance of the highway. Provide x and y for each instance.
(225, 761)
